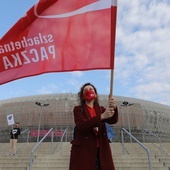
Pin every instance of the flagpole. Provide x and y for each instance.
(113, 40)
(111, 82)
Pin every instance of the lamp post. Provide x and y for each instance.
(126, 104)
(39, 121)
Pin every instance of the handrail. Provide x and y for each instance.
(156, 137)
(52, 140)
(35, 147)
(61, 140)
(143, 146)
(24, 131)
(27, 139)
(28, 133)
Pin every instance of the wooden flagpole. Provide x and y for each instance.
(111, 82)
(113, 39)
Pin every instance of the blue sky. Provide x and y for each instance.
(142, 68)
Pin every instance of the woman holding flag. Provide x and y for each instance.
(90, 146)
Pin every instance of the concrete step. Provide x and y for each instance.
(139, 168)
(66, 168)
(14, 168)
(14, 165)
(132, 160)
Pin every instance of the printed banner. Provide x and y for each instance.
(10, 119)
(34, 133)
(60, 36)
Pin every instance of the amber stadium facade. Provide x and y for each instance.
(145, 120)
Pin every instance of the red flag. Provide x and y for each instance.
(58, 36)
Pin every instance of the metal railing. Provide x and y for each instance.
(27, 134)
(61, 141)
(143, 146)
(23, 146)
(36, 146)
(154, 136)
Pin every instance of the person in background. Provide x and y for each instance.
(15, 132)
(90, 145)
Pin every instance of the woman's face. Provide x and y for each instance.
(88, 87)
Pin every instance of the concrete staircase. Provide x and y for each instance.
(134, 157)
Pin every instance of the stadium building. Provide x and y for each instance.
(145, 120)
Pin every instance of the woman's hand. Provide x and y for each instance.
(112, 102)
(109, 112)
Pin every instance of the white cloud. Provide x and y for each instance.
(143, 49)
(48, 89)
(75, 84)
(77, 73)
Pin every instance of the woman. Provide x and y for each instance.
(90, 147)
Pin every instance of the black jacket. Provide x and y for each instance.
(14, 133)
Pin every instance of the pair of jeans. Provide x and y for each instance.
(97, 166)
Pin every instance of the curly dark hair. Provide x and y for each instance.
(80, 94)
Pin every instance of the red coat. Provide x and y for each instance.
(84, 144)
